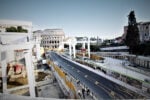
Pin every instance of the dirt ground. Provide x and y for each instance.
(17, 82)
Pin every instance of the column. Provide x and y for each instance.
(3, 61)
(89, 47)
(38, 51)
(83, 45)
(4, 75)
(61, 44)
(30, 73)
(74, 51)
(70, 49)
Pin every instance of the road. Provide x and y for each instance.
(102, 88)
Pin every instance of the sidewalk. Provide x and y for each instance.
(116, 66)
(79, 88)
(119, 63)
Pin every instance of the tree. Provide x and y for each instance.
(18, 29)
(11, 29)
(132, 37)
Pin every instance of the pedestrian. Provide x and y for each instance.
(88, 91)
(79, 93)
(54, 80)
(83, 91)
(78, 82)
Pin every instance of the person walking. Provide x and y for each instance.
(79, 93)
(88, 91)
(83, 91)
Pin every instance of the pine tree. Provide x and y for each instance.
(132, 37)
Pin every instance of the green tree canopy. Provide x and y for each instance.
(132, 37)
(11, 29)
(14, 29)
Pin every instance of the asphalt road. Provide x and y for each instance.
(102, 88)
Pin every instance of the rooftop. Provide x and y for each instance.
(15, 23)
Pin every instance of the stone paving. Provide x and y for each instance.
(50, 91)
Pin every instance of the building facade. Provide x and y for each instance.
(16, 53)
(52, 38)
(4, 24)
(93, 40)
(144, 31)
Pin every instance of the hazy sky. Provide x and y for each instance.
(103, 18)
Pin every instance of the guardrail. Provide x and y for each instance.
(67, 86)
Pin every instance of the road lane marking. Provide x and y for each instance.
(86, 76)
(112, 93)
(96, 82)
(106, 89)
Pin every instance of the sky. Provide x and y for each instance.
(102, 18)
